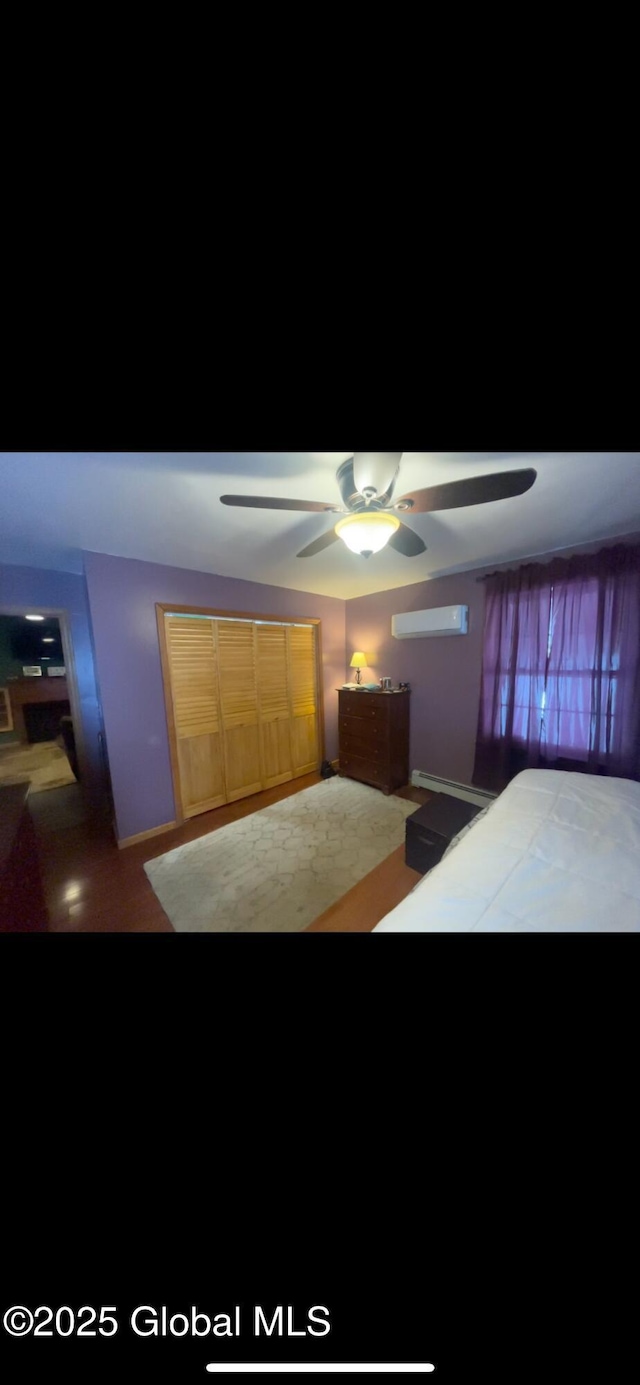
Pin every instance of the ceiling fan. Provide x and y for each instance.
(367, 482)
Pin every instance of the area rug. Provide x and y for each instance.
(43, 765)
(278, 869)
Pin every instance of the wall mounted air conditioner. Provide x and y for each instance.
(443, 620)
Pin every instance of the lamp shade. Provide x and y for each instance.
(367, 533)
(358, 660)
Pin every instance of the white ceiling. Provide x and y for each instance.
(164, 507)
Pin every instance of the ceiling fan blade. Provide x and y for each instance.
(374, 472)
(269, 502)
(406, 541)
(476, 490)
(318, 544)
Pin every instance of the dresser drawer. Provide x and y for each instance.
(358, 768)
(366, 705)
(363, 746)
(363, 727)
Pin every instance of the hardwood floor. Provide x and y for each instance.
(362, 907)
(91, 886)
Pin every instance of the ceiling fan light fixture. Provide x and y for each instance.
(367, 533)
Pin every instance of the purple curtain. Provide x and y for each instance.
(516, 631)
(561, 668)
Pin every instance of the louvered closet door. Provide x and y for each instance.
(273, 696)
(239, 704)
(194, 689)
(301, 643)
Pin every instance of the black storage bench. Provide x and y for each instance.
(433, 827)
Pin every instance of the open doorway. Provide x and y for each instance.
(39, 721)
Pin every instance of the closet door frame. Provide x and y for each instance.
(162, 607)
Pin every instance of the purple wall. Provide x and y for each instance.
(26, 588)
(444, 672)
(122, 597)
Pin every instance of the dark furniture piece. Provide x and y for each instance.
(68, 736)
(374, 738)
(433, 827)
(22, 906)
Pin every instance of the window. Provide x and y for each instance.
(561, 666)
(556, 700)
(581, 678)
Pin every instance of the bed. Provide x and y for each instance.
(557, 852)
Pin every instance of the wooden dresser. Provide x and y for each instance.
(374, 738)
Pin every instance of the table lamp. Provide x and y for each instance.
(358, 661)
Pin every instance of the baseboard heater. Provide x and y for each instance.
(468, 792)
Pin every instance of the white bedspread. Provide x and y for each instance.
(556, 852)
